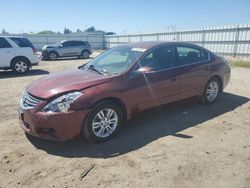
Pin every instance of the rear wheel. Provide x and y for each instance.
(103, 122)
(21, 65)
(212, 91)
(85, 54)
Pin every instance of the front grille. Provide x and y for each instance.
(26, 125)
(28, 102)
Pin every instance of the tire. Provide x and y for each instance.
(211, 91)
(85, 54)
(21, 65)
(97, 126)
(52, 56)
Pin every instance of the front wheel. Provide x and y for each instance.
(52, 56)
(103, 122)
(211, 91)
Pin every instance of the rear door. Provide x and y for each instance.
(194, 69)
(7, 52)
(80, 46)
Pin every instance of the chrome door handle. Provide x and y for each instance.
(173, 78)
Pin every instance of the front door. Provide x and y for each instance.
(158, 83)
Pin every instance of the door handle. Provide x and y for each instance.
(207, 68)
(173, 78)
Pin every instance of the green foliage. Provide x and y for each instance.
(240, 63)
(90, 29)
(46, 32)
(67, 31)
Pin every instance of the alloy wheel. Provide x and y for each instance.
(105, 122)
(85, 54)
(212, 91)
(52, 56)
(21, 66)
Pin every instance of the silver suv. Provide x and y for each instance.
(67, 48)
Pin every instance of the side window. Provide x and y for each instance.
(159, 59)
(188, 55)
(66, 44)
(4, 43)
(75, 43)
(22, 42)
(80, 43)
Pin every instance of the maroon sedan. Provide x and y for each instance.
(96, 98)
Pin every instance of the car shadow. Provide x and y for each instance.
(12, 74)
(140, 131)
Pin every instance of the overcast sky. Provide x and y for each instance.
(129, 16)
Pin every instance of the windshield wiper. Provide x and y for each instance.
(92, 67)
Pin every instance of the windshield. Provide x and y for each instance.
(57, 44)
(115, 61)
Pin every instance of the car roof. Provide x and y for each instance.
(9, 36)
(74, 40)
(150, 44)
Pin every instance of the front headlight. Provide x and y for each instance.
(62, 103)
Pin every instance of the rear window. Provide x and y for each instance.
(22, 42)
(4, 43)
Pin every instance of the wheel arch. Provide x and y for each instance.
(19, 57)
(85, 50)
(220, 80)
(53, 51)
(115, 100)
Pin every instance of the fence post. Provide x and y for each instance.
(104, 43)
(177, 36)
(157, 36)
(47, 39)
(203, 35)
(236, 40)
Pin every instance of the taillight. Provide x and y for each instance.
(34, 51)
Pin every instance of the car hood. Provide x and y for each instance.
(65, 81)
(48, 46)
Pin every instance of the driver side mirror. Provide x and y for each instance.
(60, 46)
(141, 71)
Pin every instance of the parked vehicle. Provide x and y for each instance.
(67, 48)
(95, 99)
(17, 53)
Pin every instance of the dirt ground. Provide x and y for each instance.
(181, 145)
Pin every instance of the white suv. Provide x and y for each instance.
(17, 53)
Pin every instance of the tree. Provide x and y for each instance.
(110, 33)
(67, 31)
(79, 31)
(90, 29)
(4, 32)
(46, 32)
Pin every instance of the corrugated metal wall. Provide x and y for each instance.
(96, 41)
(224, 40)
